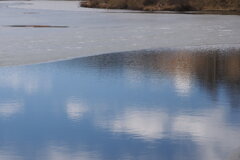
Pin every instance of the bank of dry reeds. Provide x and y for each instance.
(158, 5)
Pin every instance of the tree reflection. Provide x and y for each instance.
(211, 69)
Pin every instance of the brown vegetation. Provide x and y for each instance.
(157, 5)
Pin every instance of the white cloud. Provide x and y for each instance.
(64, 153)
(10, 108)
(148, 125)
(9, 155)
(75, 109)
(209, 130)
(29, 81)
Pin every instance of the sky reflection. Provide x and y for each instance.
(75, 109)
(148, 125)
(138, 105)
(9, 108)
(56, 152)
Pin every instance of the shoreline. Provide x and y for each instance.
(210, 12)
(204, 48)
(186, 7)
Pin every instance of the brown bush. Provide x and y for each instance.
(152, 5)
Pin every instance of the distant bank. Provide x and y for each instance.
(166, 5)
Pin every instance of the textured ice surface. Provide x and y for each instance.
(97, 31)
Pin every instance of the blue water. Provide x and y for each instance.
(168, 105)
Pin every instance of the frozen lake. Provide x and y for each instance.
(169, 89)
(97, 31)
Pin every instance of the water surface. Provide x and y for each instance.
(168, 104)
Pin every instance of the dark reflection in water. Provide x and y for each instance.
(36, 26)
(141, 105)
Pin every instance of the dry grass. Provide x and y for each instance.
(157, 5)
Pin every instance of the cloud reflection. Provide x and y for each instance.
(56, 152)
(9, 155)
(10, 108)
(209, 129)
(22, 78)
(145, 124)
(212, 132)
(75, 109)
